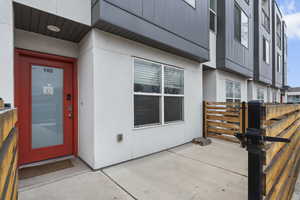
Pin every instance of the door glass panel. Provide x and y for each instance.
(47, 106)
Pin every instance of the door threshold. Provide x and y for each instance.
(46, 161)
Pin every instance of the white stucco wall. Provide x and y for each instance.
(6, 51)
(210, 85)
(86, 118)
(37, 42)
(63, 8)
(270, 95)
(111, 101)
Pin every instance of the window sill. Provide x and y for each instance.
(158, 125)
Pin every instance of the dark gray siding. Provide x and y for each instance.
(231, 54)
(171, 25)
(263, 72)
(277, 75)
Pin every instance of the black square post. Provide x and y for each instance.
(255, 156)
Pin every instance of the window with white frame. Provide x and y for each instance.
(191, 3)
(278, 31)
(213, 15)
(278, 62)
(158, 93)
(241, 26)
(260, 94)
(233, 91)
(266, 50)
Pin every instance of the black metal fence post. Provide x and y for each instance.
(255, 156)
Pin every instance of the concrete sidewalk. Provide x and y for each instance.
(188, 172)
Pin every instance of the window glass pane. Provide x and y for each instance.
(47, 106)
(212, 21)
(191, 3)
(278, 63)
(213, 5)
(237, 91)
(229, 89)
(173, 109)
(260, 94)
(267, 51)
(237, 23)
(174, 80)
(264, 50)
(244, 29)
(146, 110)
(147, 76)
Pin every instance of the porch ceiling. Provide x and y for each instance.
(34, 20)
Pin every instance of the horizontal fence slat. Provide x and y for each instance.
(225, 113)
(6, 157)
(276, 166)
(275, 111)
(11, 179)
(223, 103)
(275, 147)
(279, 126)
(1, 104)
(223, 125)
(8, 120)
(229, 119)
(222, 119)
(221, 131)
(281, 183)
(216, 107)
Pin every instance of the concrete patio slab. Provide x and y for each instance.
(171, 176)
(78, 168)
(219, 153)
(88, 186)
(188, 172)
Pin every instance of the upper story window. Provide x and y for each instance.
(191, 3)
(265, 14)
(265, 4)
(213, 15)
(265, 21)
(241, 26)
(285, 45)
(278, 31)
(233, 91)
(266, 50)
(158, 93)
(278, 62)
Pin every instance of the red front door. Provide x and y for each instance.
(44, 98)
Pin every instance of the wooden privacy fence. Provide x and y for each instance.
(273, 144)
(223, 120)
(8, 154)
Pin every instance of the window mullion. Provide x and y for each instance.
(163, 95)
